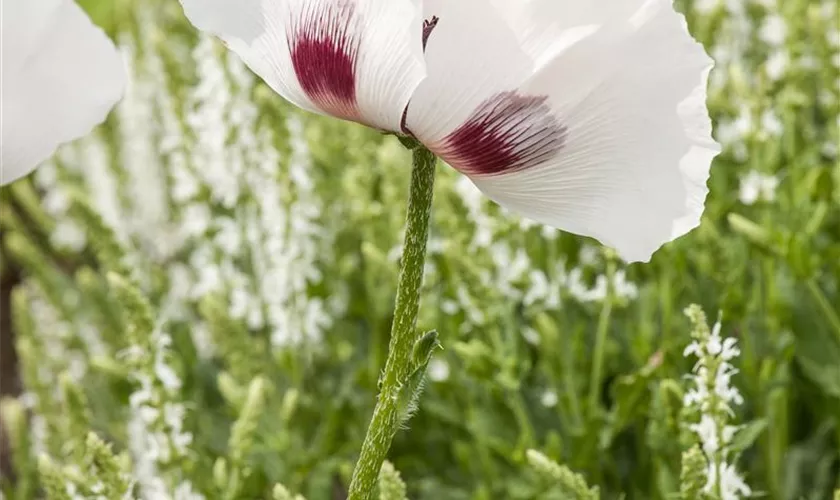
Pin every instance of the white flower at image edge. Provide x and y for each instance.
(585, 116)
(61, 75)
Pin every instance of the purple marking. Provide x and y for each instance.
(429, 26)
(506, 133)
(324, 49)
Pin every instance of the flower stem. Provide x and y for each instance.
(825, 306)
(598, 359)
(601, 343)
(386, 418)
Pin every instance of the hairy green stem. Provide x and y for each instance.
(386, 415)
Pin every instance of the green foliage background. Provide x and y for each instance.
(503, 295)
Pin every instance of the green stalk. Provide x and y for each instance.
(601, 343)
(825, 305)
(386, 418)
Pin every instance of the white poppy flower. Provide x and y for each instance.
(585, 116)
(61, 76)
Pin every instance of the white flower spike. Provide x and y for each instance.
(61, 76)
(585, 116)
(359, 60)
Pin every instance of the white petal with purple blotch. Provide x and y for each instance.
(61, 76)
(606, 136)
(358, 60)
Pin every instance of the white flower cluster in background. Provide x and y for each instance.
(712, 396)
(270, 206)
(147, 215)
(510, 272)
(738, 73)
(156, 427)
(55, 358)
(757, 186)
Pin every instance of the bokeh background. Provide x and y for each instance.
(264, 243)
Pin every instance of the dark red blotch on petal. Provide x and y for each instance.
(429, 25)
(324, 48)
(506, 133)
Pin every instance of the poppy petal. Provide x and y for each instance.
(632, 146)
(471, 55)
(61, 76)
(359, 60)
